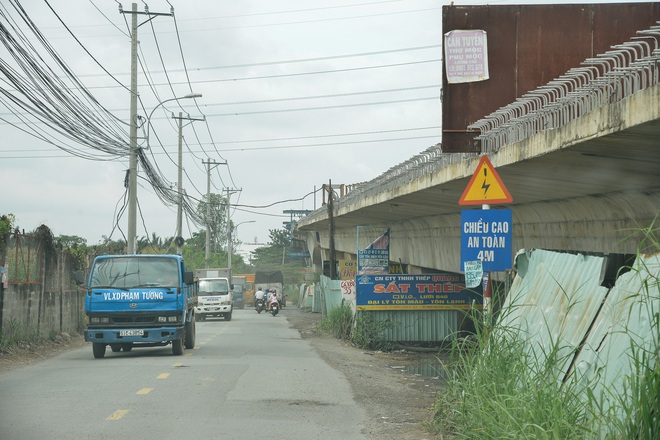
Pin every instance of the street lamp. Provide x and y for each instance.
(188, 96)
(132, 176)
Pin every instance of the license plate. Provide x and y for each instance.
(131, 332)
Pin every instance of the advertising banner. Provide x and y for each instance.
(466, 56)
(440, 291)
(375, 259)
(347, 269)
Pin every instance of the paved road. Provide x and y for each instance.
(250, 378)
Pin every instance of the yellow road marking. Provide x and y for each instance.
(145, 391)
(188, 354)
(118, 414)
(163, 375)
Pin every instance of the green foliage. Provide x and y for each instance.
(639, 403)
(76, 247)
(369, 332)
(273, 257)
(497, 388)
(17, 333)
(339, 322)
(7, 222)
(217, 220)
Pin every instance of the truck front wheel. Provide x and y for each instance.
(98, 349)
(190, 335)
(177, 347)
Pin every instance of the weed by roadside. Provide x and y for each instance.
(362, 330)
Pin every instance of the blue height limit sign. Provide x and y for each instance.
(486, 237)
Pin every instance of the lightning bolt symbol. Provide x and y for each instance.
(485, 185)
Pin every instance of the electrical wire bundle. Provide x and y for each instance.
(57, 108)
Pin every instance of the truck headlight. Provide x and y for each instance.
(167, 319)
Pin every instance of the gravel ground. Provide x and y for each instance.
(386, 385)
(398, 400)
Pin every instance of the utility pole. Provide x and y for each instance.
(132, 161)
(179, 213)
(207, 257)
(229, 243)
(331, 219)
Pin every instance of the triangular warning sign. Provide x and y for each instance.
(485, 187)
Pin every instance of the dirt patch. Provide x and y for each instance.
(17, 356)
(398, 401)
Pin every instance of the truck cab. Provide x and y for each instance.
(215, 299)
(139, 301)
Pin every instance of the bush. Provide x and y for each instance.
(339, 322)
(369, 332)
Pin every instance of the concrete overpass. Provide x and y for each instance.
(580, 156)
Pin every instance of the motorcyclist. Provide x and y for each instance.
(272, 297)
(259, 295)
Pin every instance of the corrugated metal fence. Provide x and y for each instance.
(409, 325)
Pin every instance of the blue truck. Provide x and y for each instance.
(139, 301)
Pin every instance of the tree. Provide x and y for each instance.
(274, 257)
(217, 220)
(7, 222)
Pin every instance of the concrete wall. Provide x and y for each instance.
(27, 309)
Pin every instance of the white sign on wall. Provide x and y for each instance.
(466, 56)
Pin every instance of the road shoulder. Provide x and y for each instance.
(398, 401)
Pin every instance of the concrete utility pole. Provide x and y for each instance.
(207, 255)
(179, 214)
(331, 220)
(132, 161)
(229, 243)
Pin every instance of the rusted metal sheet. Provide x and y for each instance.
(528, 46)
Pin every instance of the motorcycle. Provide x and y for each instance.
(274, 308)
(259, 307)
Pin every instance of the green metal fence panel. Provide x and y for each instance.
(419, 325)
(409, 325)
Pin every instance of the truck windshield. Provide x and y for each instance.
(213, 287)
(130, 272)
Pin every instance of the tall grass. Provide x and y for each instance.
(339, 322)
(18, 333)
(363, 330)
(636, 410)
(498, 388)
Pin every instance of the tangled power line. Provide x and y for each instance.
(47, 100)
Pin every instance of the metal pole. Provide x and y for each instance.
(179, 220)
(132, 167)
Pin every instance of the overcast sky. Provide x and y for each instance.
(295, 94)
